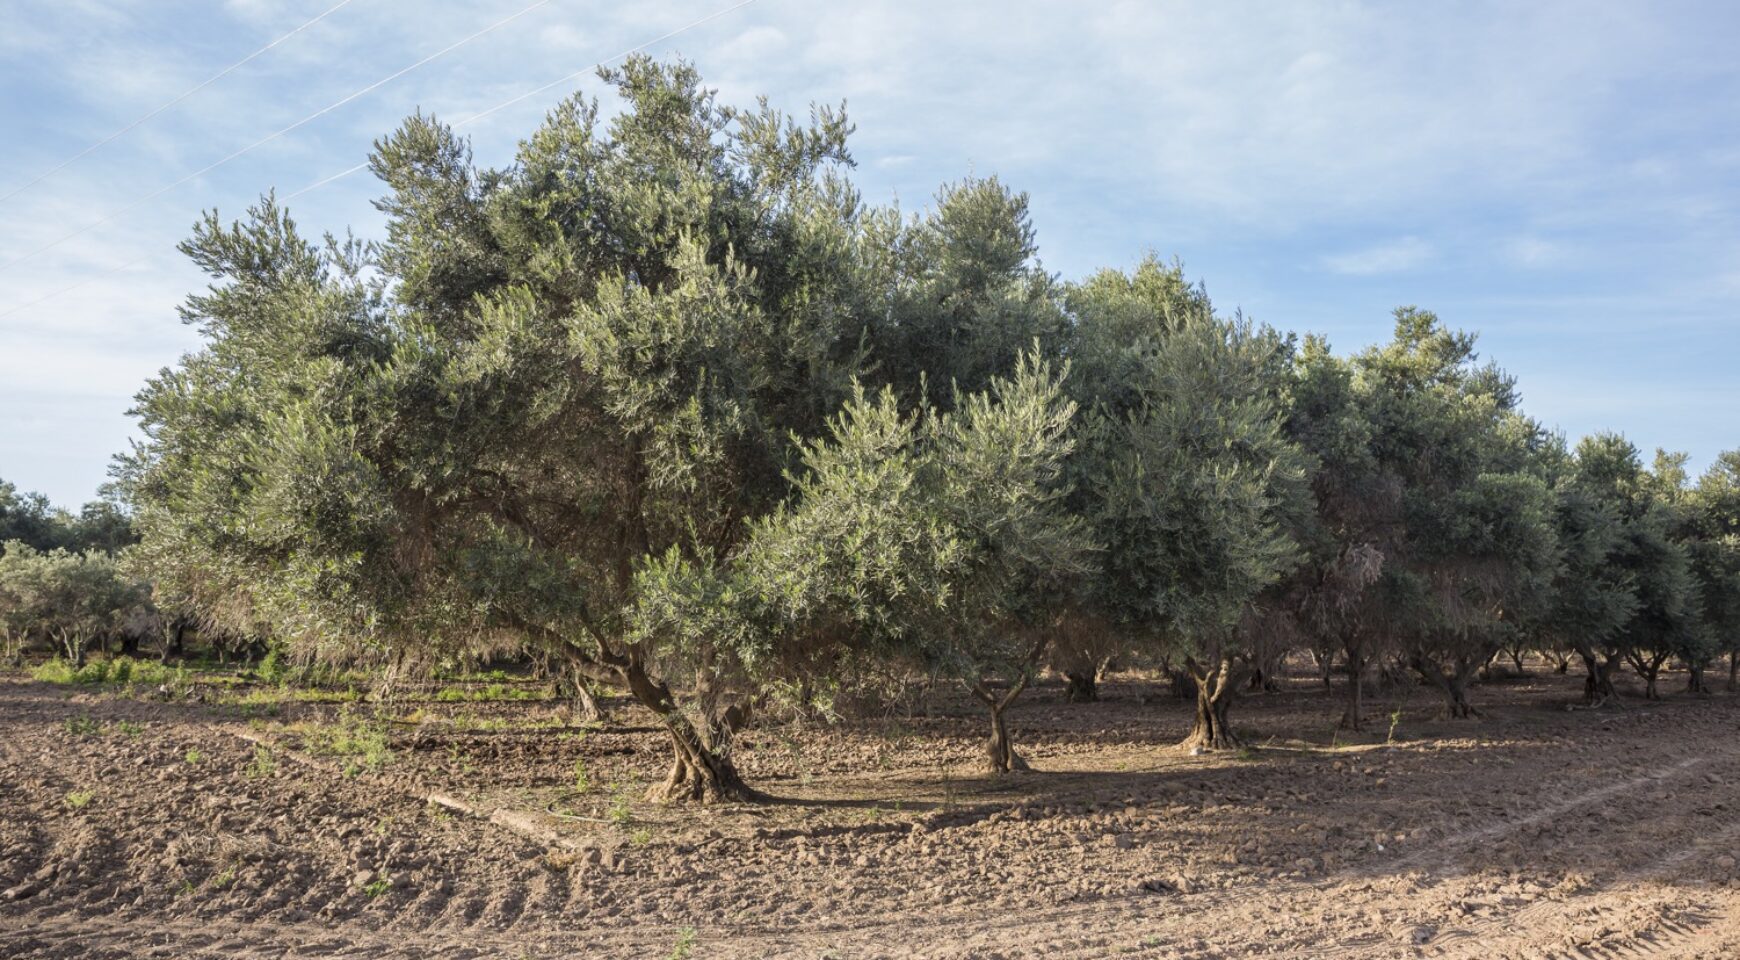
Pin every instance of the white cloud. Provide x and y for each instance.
(1407, 253)
(1532, 252)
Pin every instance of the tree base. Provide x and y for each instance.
(1080, 688)
(704, 784)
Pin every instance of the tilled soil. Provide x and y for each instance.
(132, 828)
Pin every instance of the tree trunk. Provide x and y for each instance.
(1733, 670)
(1695, 680)
(583, 706)
(177, 645)
(1458, 707)
(1649, 668)
(1598, 684)
(1080, 687)
(701, 768)
(1215, 689)
(1453, 683)
(1000, 753)
(1352, 718)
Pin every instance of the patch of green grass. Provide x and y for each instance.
(78, 799)
(376, 887)
(129, 729)
(582, 782)
(83, 725)
(494, 692)
(193, 756)
(224, 879)
(641, 837)
(685, 945)
(263, 765)
(363, 743)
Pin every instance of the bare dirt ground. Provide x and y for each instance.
(131, 828)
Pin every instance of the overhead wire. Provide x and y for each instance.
(362, 166)
(631, 51)
(270, 137)
(190, 91)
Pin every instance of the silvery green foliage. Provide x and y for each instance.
(1183, 474)
(1712, 512)
(1647, 554)
(940, 538)
(62, 598)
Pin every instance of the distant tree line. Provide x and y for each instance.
(667, 401)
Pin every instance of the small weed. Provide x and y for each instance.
(1246, 753)
(129, 729)
(78, 799)
(641, 837)
(264, 764)
(375, 888)
(1395, 721)
(582, 782)
(224, 879)
(83, 725)
(621, 809)
(685, 945)
(193, 756)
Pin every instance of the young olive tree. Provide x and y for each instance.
(937, 538)
(1184, 476)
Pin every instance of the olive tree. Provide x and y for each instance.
(1185, 476)
(1713, 513)
(940, 538)
(68, 598)
(1647, 557)
(553, 402)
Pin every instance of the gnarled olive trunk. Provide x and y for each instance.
(1598, 682)
(1081, 686)
(1453, 683)
(1648, 667)
(701, 767)
(1217, 686)
(1000, 752)
(1695, 679)
(1733, 670)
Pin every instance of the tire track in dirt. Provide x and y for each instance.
(1032, 932)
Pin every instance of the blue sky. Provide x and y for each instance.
(1563, 178)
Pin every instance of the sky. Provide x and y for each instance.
(1561, 177)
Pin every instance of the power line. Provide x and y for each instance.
(118, 134)
(362, 166)
(532, 93)
(272, 136)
